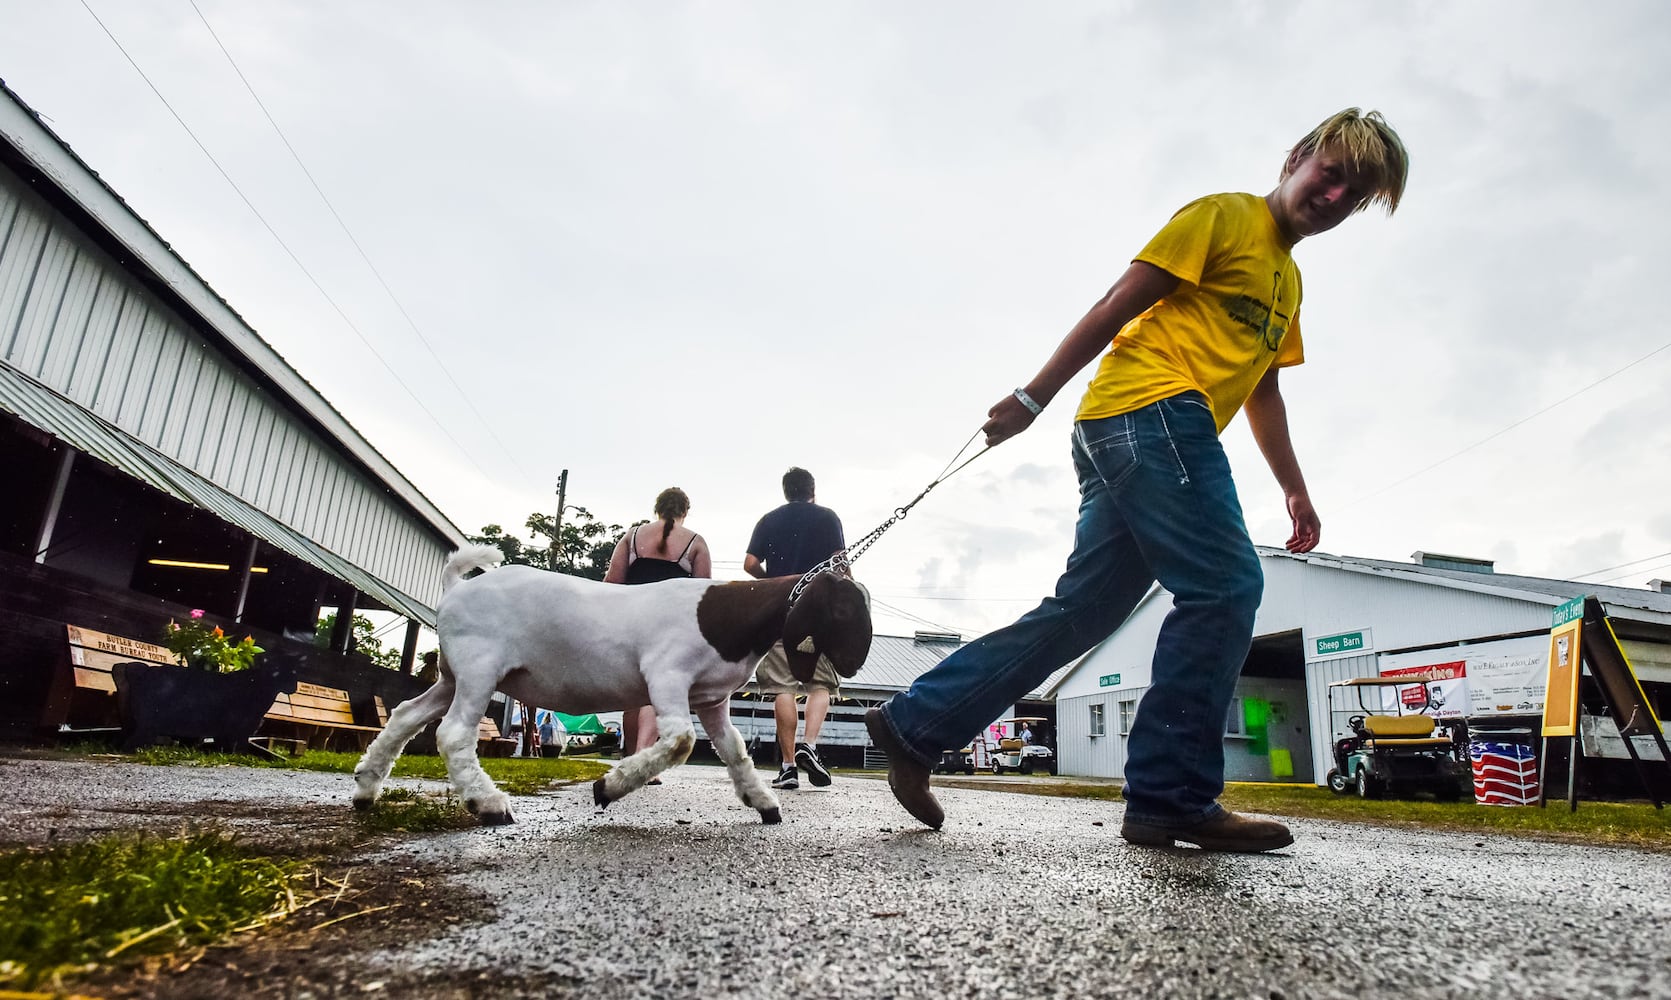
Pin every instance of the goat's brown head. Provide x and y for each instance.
(831, 618)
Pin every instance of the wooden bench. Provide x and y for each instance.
(489, 741)
(92, 654)
(318, 714)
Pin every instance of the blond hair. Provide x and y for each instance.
(1369, 144)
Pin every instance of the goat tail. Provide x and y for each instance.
(471, 557)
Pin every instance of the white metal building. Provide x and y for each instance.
(157, 446)
(1327, 618)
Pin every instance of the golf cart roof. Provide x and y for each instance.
(1399, 681)
(1027, 718)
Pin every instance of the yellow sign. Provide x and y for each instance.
(1560, 702)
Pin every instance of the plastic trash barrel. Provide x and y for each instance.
(1505, 767)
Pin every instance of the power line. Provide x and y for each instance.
(297, 260)
(902, 613)
(994, 600)
(1634, 572)
(357, 248)
(1633, 562)
(1505, 430)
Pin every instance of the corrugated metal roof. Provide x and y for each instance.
(22, 128)
(896, 661)
(1553, 591)
(45, 409)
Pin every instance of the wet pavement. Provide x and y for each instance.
(680, 891)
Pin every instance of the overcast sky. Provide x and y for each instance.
(694, 244)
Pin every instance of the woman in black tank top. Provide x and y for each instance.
(664, 551)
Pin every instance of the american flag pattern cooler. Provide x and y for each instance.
(1505, 774)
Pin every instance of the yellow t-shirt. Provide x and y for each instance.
(1235, 313)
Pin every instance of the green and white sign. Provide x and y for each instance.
(1108, 680)
(1570, 611)
(1341, 644)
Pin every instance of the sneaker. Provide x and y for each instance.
(1226, 831)
(806, 758)
(787, 779)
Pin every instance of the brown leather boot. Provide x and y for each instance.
(1225, 832)
(907, 778)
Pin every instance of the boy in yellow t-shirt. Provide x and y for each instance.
(1196, 329)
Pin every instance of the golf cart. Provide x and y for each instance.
(1399, 755)
(953, 761)
(1015, 754)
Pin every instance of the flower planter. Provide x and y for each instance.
(161, 703)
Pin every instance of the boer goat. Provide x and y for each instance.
(579, 646)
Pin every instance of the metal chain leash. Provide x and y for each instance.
(842, 561)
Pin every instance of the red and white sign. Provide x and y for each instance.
(1448, 692)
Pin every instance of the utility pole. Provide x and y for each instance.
(557, 525)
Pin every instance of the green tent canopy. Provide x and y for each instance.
(580, 725)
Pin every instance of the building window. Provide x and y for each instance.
(1236, 723)
(1099, 725)
(1128, 714)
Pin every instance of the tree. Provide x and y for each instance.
(363, 641)
(586, 543)
(584, 549)
(516, 553)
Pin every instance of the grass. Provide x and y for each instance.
(406, 811)
(1617, 824)
(70, 907)
(514, 775)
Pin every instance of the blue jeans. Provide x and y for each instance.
(1156, 503)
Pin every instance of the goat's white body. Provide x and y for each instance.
(577, 646)
(558, 640)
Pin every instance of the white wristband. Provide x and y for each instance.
(1028, 401)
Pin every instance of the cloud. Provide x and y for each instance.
(698, 244)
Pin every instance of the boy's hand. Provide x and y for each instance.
(1308, 529)
(1008, 418)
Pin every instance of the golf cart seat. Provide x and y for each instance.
(1010, 744)
(1401, 732)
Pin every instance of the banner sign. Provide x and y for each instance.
(1448, 694)
(1506, 685)
(1502, 677)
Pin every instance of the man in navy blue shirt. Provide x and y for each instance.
(788, 541)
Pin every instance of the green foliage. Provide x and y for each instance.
(583, 550)
(406, 811)
(516, 553)
(513, 775)
(585, 542)
(364, 641)
(182, 756)
(68, 907)
(203, 647)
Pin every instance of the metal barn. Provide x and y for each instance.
(162, 456)
(1328, 618)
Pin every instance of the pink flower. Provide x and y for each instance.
(197, 612)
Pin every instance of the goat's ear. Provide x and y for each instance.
(831, 619)
(805, 619)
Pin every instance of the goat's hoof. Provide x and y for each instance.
(361, 805)
(772, 816)
(600, 798)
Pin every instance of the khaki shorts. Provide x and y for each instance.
(774, 677)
